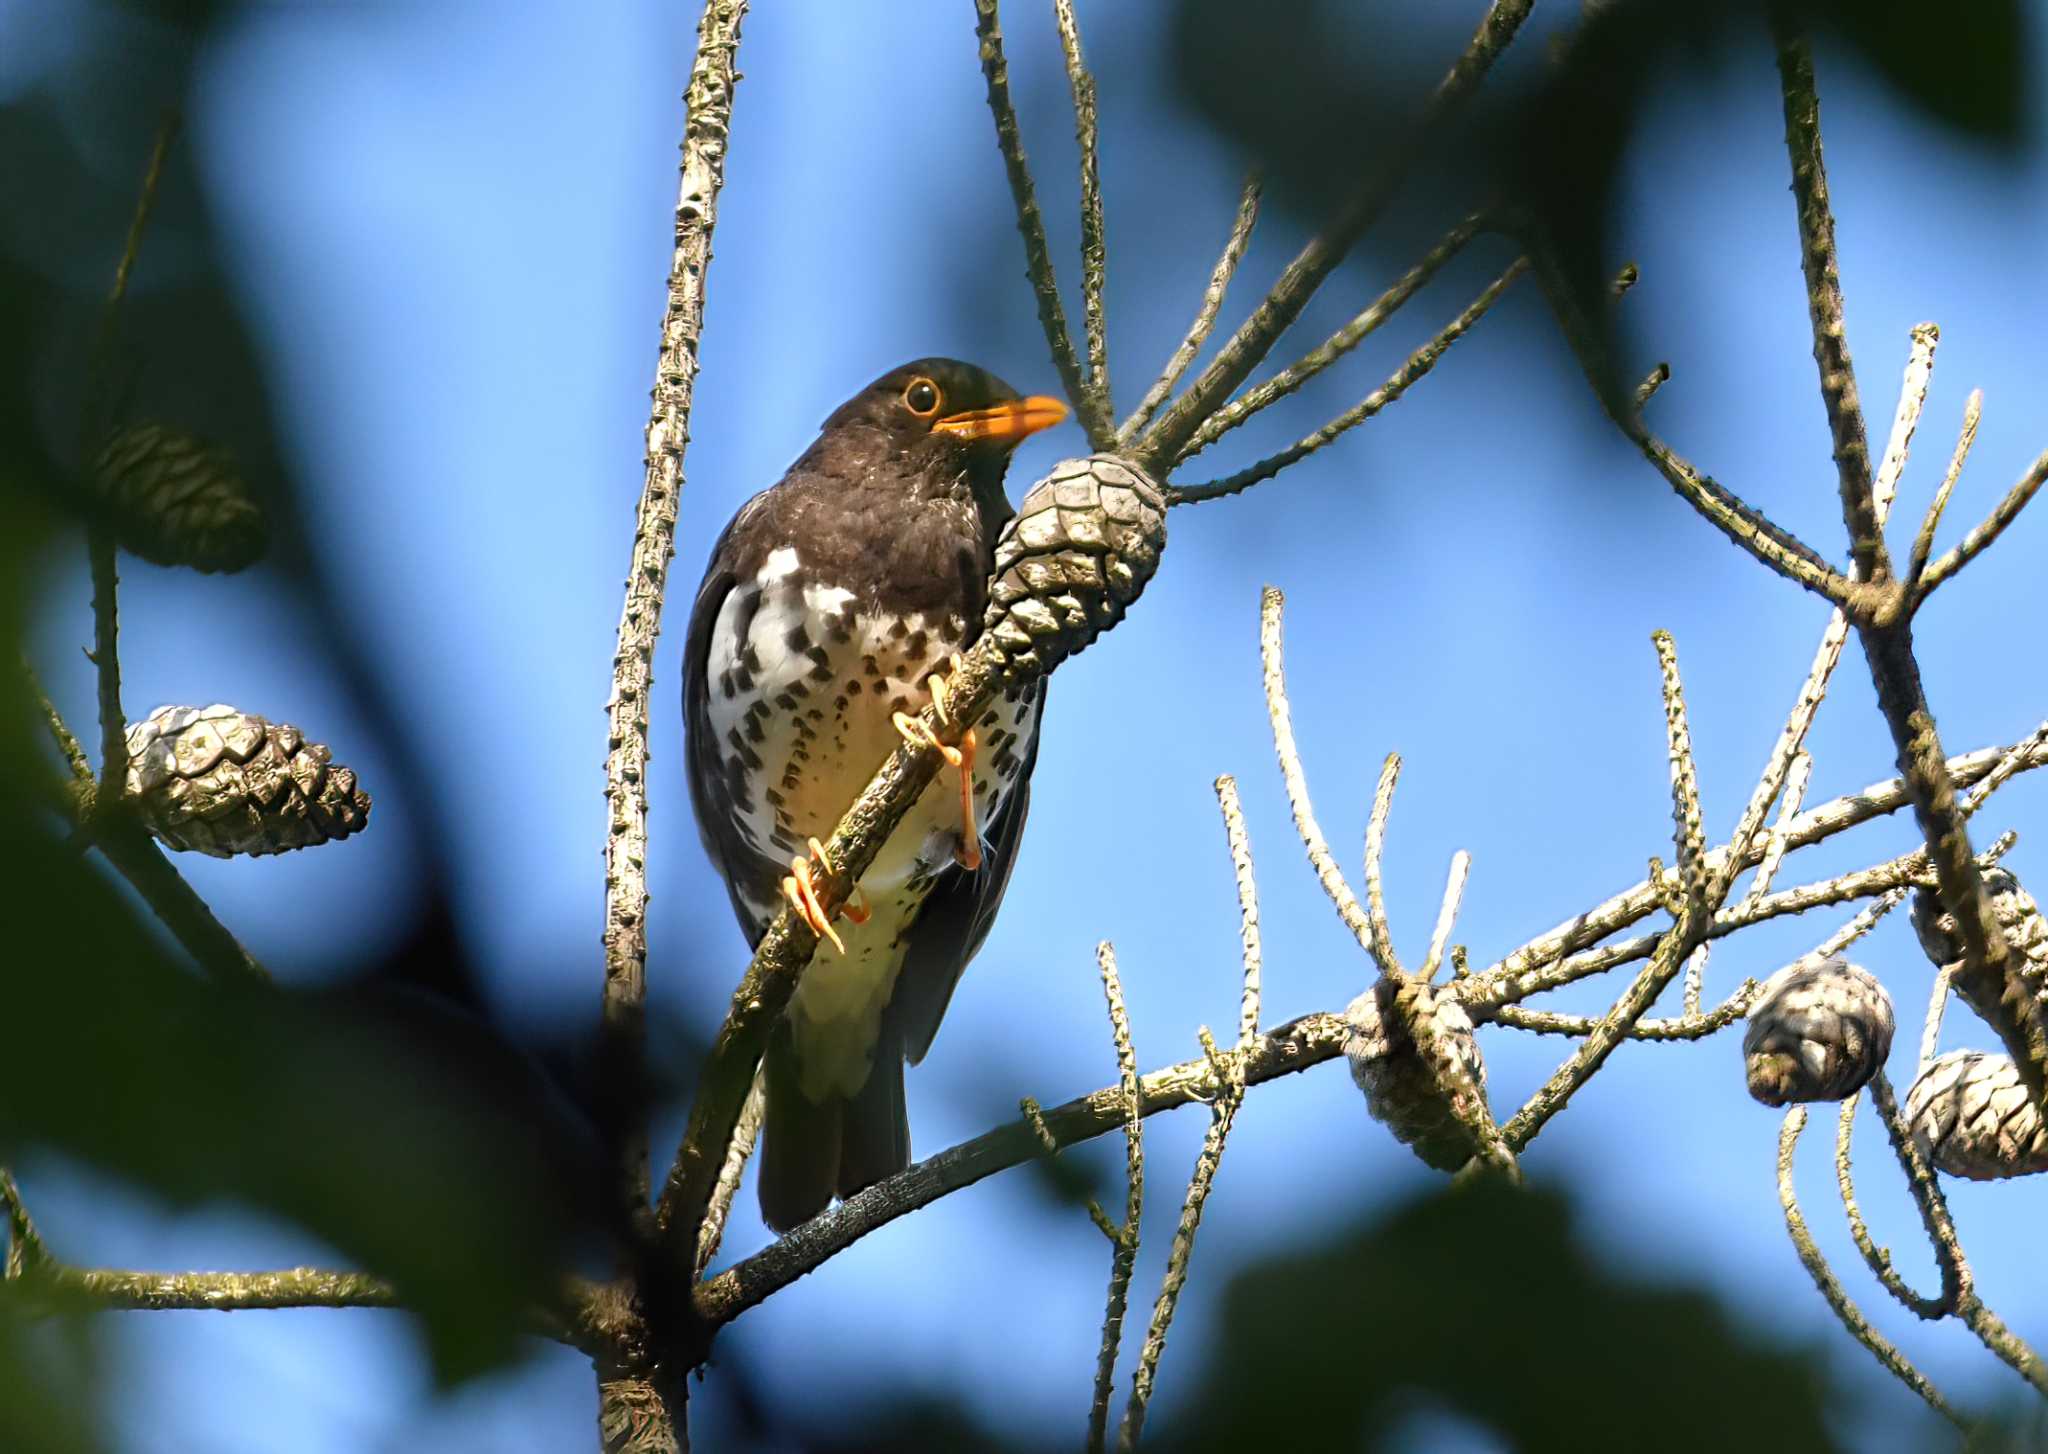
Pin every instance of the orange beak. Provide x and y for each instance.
(1010, 423)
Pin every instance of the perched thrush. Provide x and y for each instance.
(834, 602)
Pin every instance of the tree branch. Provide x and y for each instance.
(1517, 975)
(1331, 349)
(1094, 250)
(1205, 315)
(1256, 336)
(1419, 363)
(1292, 1047)
(1817, 258)
(1092, 411)
(1930, 578)
(1886, 1353)
(709, 100)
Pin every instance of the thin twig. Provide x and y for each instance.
(1247, 906)
(709, 100)
(1818, 259)
(1256, 336)
(1367, 322)
(1052, 314)
(1124, 1251)
(1693, 913)
(1446, 914)
(1523, 971)
(1398, 383)
(60, 732)
(1481, 997)
(1741, 522)
(1923, 541)
(1937, 1006)
(1271, 606)
(1958, 1285)
(1980, 537)
(1878, 1259)
(1283, 1050)
(1205, 316)
(295, 1287)
(1690, 1026)
(745, 1133)
(1375, 846)
(25, 1250)
(1830, 1287)
(1094, 250)
(1228, 1095)
(1794, 797)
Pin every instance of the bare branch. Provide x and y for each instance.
(709, 100)
(1446, 914)
(1981, 536)
(1094, 251)
(1124, 1254)
(1375, 846)
(1228, 1091)
(225, 1292)
(1335, 346)
(1877, 1258)
(745, 1133)
(1205, 316)
(1247, 905)
(1690, 1026)
(1830, 1287)
(1817, 257)
(1908, 870)
(1747, 526)
(1052, 314)
(1693, 913)
(1654, 380)
(1923, 542)
(1237, 358)
(1419, 363)
(67, 743)
(1271, 605)
(1520, 973)
(1295, 1046)
(1958, 1286)
(25, 1250)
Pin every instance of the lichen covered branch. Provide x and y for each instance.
(709, 100)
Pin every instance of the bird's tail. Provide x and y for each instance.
(811, 1150)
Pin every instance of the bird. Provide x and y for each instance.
(834, 602)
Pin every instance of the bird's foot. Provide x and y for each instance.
(801, 890)
(961, 759)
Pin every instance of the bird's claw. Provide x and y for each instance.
(961, 758)
(800, 888)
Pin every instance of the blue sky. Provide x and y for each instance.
(453, 221)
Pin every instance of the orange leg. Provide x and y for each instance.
(961, 758)
(800, 888)
(855, 909)
(802, 894)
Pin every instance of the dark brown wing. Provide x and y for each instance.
(711, 789)
(956, 919)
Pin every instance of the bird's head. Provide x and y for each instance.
(946, 419)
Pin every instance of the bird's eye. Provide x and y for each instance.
(922, 398)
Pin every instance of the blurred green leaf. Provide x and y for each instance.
(1487, 1300)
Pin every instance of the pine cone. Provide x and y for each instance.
(2025, 930)
(176, 500)
(1085, 541)
(1818, 1032)
(1971, 1115)
(222, 782)
(1400, 1089)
